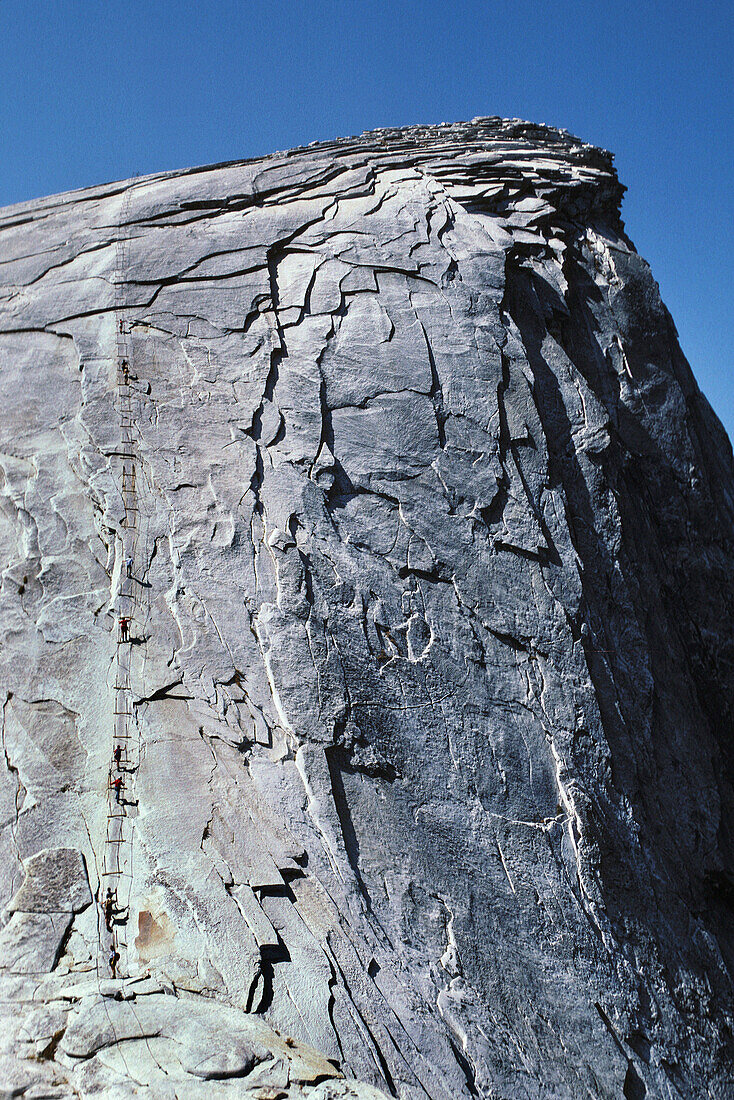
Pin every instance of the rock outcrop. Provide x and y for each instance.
(367, 664)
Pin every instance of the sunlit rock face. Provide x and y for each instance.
(387, 451)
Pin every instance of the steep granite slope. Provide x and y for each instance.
(367, 601)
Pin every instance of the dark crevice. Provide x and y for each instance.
(335, 758)
(634, 1086)
(465, 1065)
(436, 393)
(381, 1059)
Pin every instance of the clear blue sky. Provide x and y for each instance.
(94, 90)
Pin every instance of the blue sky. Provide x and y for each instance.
(94, 90)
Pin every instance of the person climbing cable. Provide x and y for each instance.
(121, 327)
(129, 567)
(125, 371)
(124, 628)
(118, 755)
(109, 905)
(117, 784)
(114, 959)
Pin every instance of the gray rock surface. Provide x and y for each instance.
(56, 881)
(422, 536)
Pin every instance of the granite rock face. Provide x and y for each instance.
(361, 499)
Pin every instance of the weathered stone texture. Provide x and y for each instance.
(432, 660)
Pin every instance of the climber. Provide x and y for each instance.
(117, 784)
(118, 755)
(109, 904)
(129, 566)
(125, 371)
(124, 627)
(121, 327)
(114, 959)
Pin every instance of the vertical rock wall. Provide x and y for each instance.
(429, 673)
